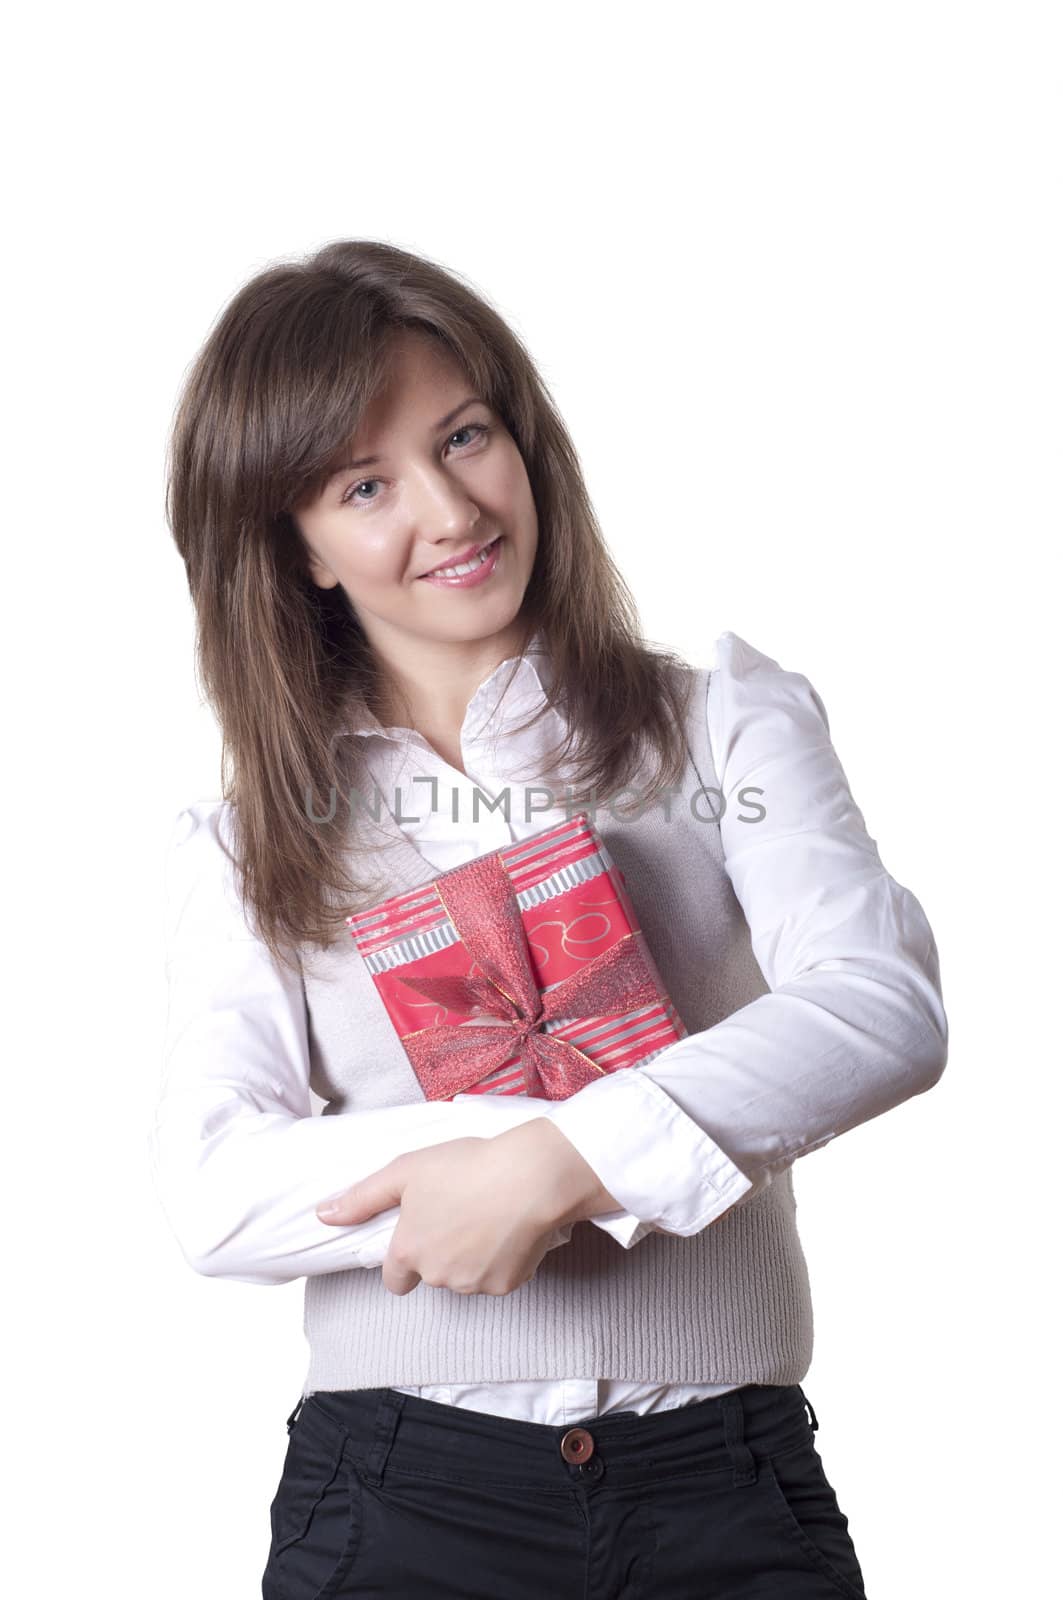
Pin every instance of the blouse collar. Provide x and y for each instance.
(530, 683)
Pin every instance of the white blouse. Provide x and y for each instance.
(854, 1023)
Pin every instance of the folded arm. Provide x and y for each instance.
(239, 1160)
(854, 1024)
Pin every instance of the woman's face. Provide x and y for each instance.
(447, 476)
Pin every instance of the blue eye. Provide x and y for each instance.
(470, 427)
(352, 495)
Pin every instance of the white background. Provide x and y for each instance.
(792, 273)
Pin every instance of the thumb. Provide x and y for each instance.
(363, 1199)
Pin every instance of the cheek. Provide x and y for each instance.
(359, 552)
(370, 557)
(512, 489)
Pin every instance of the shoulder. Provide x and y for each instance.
(200, 833)
(742, 674)
(202, 821)
(202, 898)
(735, 657)
(759, 712)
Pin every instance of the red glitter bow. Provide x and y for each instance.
(481, 903)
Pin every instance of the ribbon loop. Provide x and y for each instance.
(481, 902)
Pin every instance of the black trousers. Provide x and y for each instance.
(386, 1494)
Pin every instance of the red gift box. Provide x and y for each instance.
(524, 971)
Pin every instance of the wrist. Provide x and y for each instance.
(571, 1190)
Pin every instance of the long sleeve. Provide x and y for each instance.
(854, 1023)
(238, 1159)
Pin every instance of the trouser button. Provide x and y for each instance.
(577, 1445)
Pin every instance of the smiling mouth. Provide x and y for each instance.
(469, 565)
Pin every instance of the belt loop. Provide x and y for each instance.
(745, 1467)
(813, 1419)
(387, 1420)
(295, 1413)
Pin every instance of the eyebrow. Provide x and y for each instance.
(371, 461)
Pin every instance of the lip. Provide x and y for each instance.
(469, 579)
(473, 550)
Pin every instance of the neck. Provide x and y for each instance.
(431, 690)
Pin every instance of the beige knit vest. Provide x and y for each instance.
(728, 1305)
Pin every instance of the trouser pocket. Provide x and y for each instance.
(808, 1511)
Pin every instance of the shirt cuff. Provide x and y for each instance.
(667, 1174)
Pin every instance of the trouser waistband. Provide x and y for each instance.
(384, 1430)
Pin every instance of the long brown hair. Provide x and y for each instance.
(275, 392)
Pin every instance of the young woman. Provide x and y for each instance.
(556, 1344)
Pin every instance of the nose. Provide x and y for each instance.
(442, 509)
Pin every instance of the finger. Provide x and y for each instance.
(399, 1280)
(361, 1200)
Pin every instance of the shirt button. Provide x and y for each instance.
(577, 1445)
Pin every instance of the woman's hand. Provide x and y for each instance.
(477, 1215)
